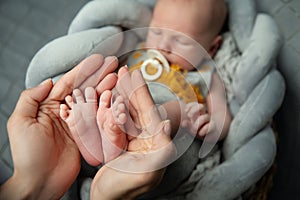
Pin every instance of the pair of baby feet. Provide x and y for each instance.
(97, 129)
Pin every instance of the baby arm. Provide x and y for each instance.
(218, 111)
(212, 120)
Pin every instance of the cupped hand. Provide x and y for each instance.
(45, 156)
(149, 150)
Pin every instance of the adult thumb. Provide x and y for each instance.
(40, 92)
(30, 99)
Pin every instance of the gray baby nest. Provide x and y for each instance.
(255, 88)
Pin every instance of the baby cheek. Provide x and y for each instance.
(194, 56)
(187, 62)
(151, 43)
(181, 56)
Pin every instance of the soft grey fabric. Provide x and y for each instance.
(250, 147)
(247, 165)
(129, 14)
(257, 57)
(255, 113)
(242, 17)
(258, 87)
(88, 34)
(4, 172)
(62, 54)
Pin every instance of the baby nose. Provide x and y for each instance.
(164, 45)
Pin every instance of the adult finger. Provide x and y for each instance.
(124, 88)
(148, 154)
(143, 102)
(30, 99)
(83, 75)
(109, 65)
(124, 85)
(141, 105)
(107, 83)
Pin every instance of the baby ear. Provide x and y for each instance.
(215, 45)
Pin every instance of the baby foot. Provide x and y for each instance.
(80, 116)
(111, 120)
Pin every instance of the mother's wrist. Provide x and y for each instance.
(17, 187)
(30, 187)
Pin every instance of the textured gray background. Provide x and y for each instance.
(27, 25)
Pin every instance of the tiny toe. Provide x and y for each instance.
(90, 95)
(120, 99)
(117, 110)
(78, 96)
(122, 118)
(69, 101)
(105, 99)
(121, 108)
(63, 112)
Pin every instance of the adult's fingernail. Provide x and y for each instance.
(46, 81)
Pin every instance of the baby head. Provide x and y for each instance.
(178, 25)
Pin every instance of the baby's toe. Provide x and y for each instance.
(78, 96)
(105, 98)
(121, 108)
(69, 101)
(119, 112)
(90, 95)
(64, 111)
(122, 118)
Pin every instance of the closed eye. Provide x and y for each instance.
(155, 31)
(183, 40)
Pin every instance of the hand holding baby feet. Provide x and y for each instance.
(111, 118)
(79, 113)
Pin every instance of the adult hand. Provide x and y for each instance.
(46, 159)
(149, 149)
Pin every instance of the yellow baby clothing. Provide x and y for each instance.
(171, 83)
